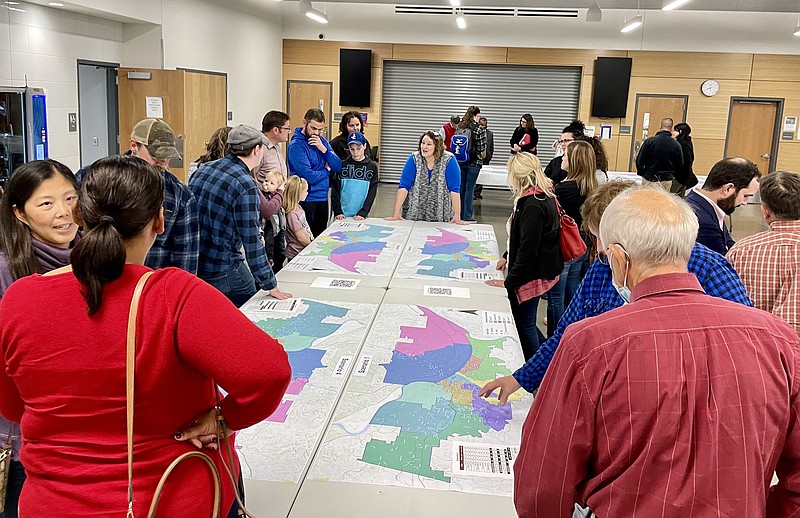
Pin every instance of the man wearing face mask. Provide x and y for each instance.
(153, 141)
(729, 184)
(672, 405)
(597, 293)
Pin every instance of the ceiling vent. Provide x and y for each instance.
(528, 12)
(547, 13)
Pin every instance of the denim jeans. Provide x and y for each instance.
(16, 476)
(560, 295)
(530, 337)
(237, 284)
(469, 175)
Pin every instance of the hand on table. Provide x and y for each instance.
(458, 221)
(507, 385)
(501, 264)
(394, 217)
(278, 294)
(339, 217)
(497, 283)
(358, 218)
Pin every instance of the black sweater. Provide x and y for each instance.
(520, 132)
(534, 251)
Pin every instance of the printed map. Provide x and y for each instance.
(321, 339)
(467, 253)
(353, 247)
(413, 396)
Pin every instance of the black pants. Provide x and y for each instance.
(16, 476)
(317, 214)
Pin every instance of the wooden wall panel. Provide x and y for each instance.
(308, 52)
(206, 107)
(788, 91)
(450, 53)
(561, 57)
(623, 154)
(707, 152)
(776, 68)
(707, 65)
(789, 156)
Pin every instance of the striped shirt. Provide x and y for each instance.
(769, 265)
(666, 407)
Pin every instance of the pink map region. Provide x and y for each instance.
(279, 416)
(447, 238)
(295, 386)
(437, 334)
(348, 260)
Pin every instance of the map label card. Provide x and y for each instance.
(364, 365)
(287, 306)
(484, 460)
(305, 263)
(342, 366)
(484, 235)
(446, 291)
(496, 323)
(338, 284)
(471, 275)
(349, 225)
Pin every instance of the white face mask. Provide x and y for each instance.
(624, 291)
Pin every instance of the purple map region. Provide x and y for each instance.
(296, 386)
(279, 415)
(347, 256)
(437, 333)
(495, 416)
(448, 243)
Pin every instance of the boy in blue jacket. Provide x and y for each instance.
(353, 190)
(311, 157)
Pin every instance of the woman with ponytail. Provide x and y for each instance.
(62, 364)
(37, 234)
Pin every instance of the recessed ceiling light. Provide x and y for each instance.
(16, 9)
(455, 3)
(55, 4)
(12, 3)
(669, 5)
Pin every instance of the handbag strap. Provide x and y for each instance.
(130, 362)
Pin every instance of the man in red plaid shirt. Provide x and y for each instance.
(769, 262)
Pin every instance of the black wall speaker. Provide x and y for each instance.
(355, 77)
(612, 82)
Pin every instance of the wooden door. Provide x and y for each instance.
(650, 109)
(751, 132)
(206, 106)
(303, 95)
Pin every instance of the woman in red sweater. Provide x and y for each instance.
(62, 364)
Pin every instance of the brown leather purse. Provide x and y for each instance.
(5, 466)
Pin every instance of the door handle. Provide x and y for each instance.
(765, 155)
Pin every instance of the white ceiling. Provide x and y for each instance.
(764, 6)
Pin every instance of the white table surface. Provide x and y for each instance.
(495, 176)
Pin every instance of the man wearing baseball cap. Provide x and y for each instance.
(227, 202)
(353, 189)
(153, 141)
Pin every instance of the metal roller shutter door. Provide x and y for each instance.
(420, 96)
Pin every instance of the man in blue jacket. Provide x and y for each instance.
(310, 156)
(729, 184)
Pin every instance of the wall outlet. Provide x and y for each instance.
(94, 141)
(230, 116)
(73, 122)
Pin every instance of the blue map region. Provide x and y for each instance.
(446, 249)
(304, 362)
(309, 323)
(432, 366)
(442, 268)
(414, 418)
(373, 231)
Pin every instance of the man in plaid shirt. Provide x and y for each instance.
(597, 295)
(769, 262)
(153, 141)
(227, 202)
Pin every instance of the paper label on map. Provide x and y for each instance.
(446, 291)
(497, 324)
(363, 365)
(342, 366)
(349, 225)
(339, 284)
(287, 306)
(484, 235)
(305, 263)
(485, 460)
(474, 275)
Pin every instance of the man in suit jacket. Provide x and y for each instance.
(730, 183)
(660, 156)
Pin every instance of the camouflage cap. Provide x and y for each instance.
(158, 137)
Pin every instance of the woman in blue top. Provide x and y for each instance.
(429, 184)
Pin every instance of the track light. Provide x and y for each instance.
(632, 24)
(797, 29)
(669, 5)
(594, 14)
(305, 7)
(455, 3)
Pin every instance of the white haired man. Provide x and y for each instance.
(675, 404)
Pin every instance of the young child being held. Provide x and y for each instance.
(298, 233)
(275, 226)
(353, 189)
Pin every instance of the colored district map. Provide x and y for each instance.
(354, 247)
(396, 424)
(318, 337)
(455, 252)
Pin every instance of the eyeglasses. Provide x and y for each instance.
(566, 141)
(284, 128)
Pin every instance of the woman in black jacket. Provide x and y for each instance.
(533, 257)
(525, 136)
(684, 176)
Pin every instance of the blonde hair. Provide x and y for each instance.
(582, 166)
(275, 175)
(525, 171)
(291, 196)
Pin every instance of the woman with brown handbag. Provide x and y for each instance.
(63, 365)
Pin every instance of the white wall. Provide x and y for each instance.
(235, 38)
(44, 44)
(767, 33)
